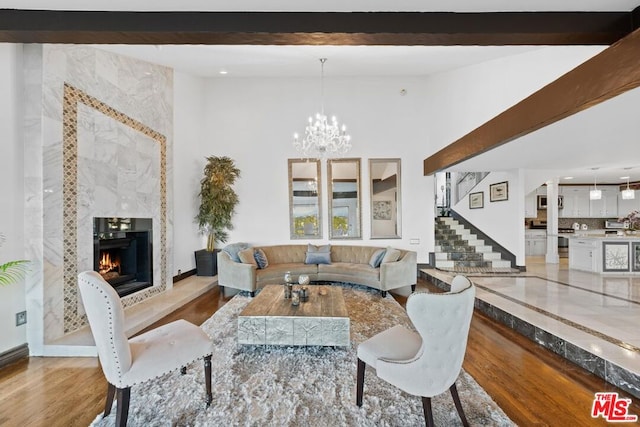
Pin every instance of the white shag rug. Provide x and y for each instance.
(297, 386)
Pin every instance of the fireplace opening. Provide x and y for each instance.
(122, 253)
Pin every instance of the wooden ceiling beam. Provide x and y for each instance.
(314, 28)
(612, 72)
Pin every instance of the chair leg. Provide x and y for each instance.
(428, 414)
(252, 293)
(122, 412)
(111, 391)
(360, 382)
(383, 293)
(413, 288)
(183, 370)
(207, 378)
(456, 400)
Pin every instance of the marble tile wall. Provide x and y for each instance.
(105, 146)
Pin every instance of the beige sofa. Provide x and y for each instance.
(349, 264)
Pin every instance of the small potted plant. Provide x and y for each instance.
(12, 271)
(217, 206)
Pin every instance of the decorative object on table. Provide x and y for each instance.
(631, 221)
(12, 271)
(287, 290)
(304, 294)
(476, 200)
(287, 277)
(499, 191)
(217, 201)
(295, 297)
(322, 291)
(321, 138)
(303, 279)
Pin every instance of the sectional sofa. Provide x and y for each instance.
(249, 268)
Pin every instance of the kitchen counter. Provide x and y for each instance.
(600, 253)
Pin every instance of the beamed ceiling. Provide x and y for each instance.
(493, 28)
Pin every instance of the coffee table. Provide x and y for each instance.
(271, 319)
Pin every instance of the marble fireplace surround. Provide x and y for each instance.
(77, 235)
(98, 143)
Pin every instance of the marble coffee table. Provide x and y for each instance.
(271, 319)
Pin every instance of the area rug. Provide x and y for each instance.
(297, 386)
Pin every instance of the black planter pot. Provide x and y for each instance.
(206, 262)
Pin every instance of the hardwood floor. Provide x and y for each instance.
(532, 385)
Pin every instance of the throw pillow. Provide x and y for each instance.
(391, 255)
(322, 249)
(233, 250)
(261, 258)
(318, 254)
(318, 258)
(376, 258)
(246, 256)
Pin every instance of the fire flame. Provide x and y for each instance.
(107, 264)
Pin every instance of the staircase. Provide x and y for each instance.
(460, 251)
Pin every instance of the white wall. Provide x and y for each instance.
(252, 120)
(509, 230)
(190, 142)
(12, 297)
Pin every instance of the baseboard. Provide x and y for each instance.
(184, 275)
(14, 354)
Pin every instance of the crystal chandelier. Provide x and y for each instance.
(323, 138)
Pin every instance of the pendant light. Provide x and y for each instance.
(595, 194)
(628, 194)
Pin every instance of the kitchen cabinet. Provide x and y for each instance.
(576, 202)
(530, 205)
(535, 243)
(607, 206)
(583, 254)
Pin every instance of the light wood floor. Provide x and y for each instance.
(532, 385)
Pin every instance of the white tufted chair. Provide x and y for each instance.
(127, 362)
(426, 363)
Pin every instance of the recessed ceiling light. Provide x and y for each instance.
(568, 177)
(625, 177)
(223, 71)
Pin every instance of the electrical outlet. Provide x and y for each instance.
(414, 241)
(21, 318)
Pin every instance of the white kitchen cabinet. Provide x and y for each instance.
(626, 206)
(607, 206)
(531, 205)
(583, 254)
(535, 243)
(576, 202)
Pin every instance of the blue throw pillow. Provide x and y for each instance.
(261, 258)
(233, 250)
(318, 258)
(376, 258)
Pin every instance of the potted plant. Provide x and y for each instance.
(12, 271)
(217, 206)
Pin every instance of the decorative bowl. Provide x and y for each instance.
(303, 279)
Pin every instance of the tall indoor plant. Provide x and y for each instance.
(217, 200)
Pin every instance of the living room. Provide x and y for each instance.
(234, 116)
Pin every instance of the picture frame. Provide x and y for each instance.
(476, 200)
(382, 210)
(499, 191)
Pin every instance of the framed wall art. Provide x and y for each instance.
(499, 191)
(476, 200)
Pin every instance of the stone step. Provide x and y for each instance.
(487, 256)
(499, 263)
